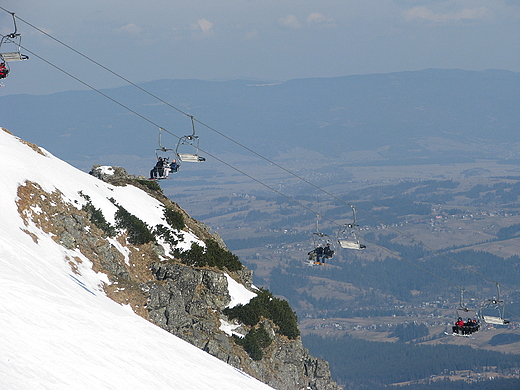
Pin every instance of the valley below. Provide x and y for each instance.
(431, 231)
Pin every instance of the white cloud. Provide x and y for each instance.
(205, 25)
(202, 28)
(290, 21)
(130, 29)
(427, 14)
(315, 18)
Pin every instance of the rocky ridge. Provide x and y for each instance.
(186, 301)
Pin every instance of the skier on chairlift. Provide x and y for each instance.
(158, 170)
(459, 326)
(174, 165)
(327, 252)
(3, 70)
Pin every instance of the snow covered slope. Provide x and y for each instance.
(58, 329)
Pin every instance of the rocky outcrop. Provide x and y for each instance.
(186, 301)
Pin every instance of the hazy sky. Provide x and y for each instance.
(260, 39)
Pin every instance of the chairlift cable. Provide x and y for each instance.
(257, 154)
(251, 151)
(171, 133)
(433, 274)
(244, 173)
(231, 139)
(98, 64)
(95, 89)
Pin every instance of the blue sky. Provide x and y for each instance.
(257, 39)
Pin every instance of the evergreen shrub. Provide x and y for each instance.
(96, 217)
(150, 184)
(174, 218)
(267, 306)
(138, 232)
(254, 342)
(166, 234)
(212, 256)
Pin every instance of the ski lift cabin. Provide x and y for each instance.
(187, 148)
(10, 46)
(348, 234)
(492, 311)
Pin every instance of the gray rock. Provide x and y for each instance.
(189, 302)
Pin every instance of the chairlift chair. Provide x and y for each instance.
(320, 239)
(168, 155)
(187, 148)
(464, 330)
(348, 236)
(10, 46)
(163, 151)
(492, 310)
(463, 310)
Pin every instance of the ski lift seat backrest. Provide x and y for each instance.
(13, 56)
(188, 157)
(494, 320)
(13, 41)
(350, 244)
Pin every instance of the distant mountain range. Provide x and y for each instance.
(435, 114)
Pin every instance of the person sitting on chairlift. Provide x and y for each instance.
(3, 71)
(319, 255)
(471, 326)
(468, 326)
(158, 170)
(327, 253)
(166, 168)
(174, 166)
(475, 326)
(316, 255)
(459, 326)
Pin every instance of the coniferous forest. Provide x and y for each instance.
(361, 364)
